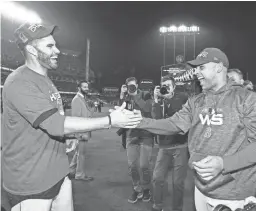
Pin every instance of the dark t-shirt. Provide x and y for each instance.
(33, 157)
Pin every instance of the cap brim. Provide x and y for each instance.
(49, 30)
(197, 62)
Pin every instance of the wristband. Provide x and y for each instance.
(109, 121)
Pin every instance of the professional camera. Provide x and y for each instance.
(132, 88)
(164, 90)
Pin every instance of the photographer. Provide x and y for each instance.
(139, 142)
(172, 149)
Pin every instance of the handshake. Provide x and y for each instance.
(123, 118)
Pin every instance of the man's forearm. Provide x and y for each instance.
(159, 126)
(81, 125)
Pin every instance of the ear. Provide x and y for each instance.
(31, 50)
(219, 67)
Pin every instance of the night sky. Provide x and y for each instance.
(125, 35)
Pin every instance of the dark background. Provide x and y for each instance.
(125, 37)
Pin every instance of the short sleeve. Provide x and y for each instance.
(30, 101)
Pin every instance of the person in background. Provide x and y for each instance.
(139, 143)
(248, 85)
(173, 150)
(80, 108)
(236, 75)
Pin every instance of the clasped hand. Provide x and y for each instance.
(123, 118)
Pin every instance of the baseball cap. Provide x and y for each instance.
(31, 31)
(210, 55)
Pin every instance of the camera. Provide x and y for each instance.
(132, 88)
(164, 90)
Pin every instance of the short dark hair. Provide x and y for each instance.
(79, 84)
(131, 79)
(168, 78)
(239, 72)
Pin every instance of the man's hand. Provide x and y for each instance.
(250, 199)
(157, 93)
(123, 91)
(71, 145)
(209, 167)
(123, 118)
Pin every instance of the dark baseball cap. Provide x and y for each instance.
(210, 55)
(28, 32)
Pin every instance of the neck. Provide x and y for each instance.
(221, 83)
(81, 93)
(36, 67)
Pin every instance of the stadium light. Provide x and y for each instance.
(18, 13)
(163, 29)
(174, 31)
(182, 29)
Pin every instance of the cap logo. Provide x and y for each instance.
(23, 38)
(34, 27)
(203, 54)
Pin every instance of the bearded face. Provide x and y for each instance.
(47, 52)
(84, 89)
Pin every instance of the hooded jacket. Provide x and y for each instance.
(221, 123)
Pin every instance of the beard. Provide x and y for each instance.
(46, 61)
(85, 93)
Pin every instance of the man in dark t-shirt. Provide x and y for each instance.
(34, 163)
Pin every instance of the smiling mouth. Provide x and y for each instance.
(55, 59)
(200, 78)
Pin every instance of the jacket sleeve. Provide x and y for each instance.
(247, 156)
(145, 103)
(179, 123)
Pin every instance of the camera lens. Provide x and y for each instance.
(163, 90)
(132, 88)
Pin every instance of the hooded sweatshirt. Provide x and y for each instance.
(221, 123)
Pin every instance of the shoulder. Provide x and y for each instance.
(76, 99)
(243, 93)
(20, 80)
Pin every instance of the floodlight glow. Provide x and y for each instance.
(16, 12)
(163, 29)
(182, 28)
(194, 28)
(172, 29)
